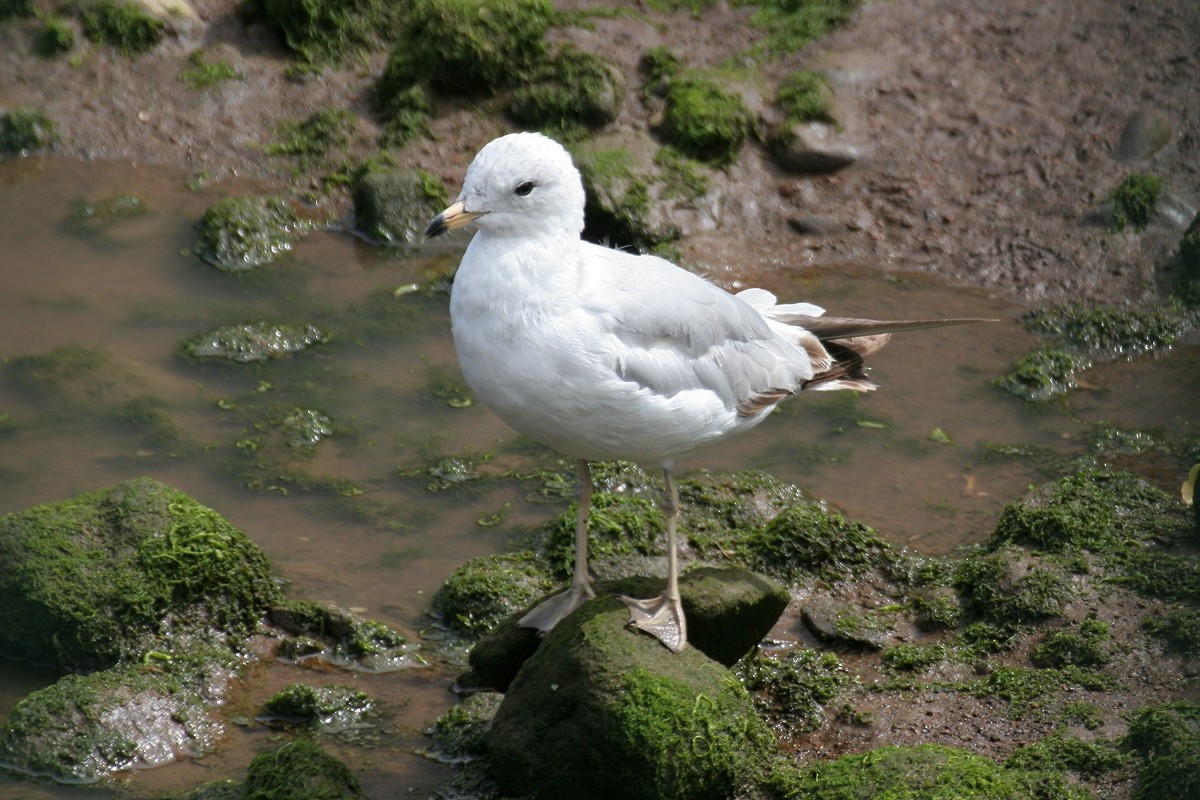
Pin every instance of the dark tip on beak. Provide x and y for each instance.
(436, 227)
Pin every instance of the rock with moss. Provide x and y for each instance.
(25, 130)
(129, 27)
(55, 38)
(844, 624)
(1011, 587)
(1134, 200)
(485, 590)
(320, 632)
(1187, 283)
(807, 540)
(578, 90)
(86, 581)
(1043, 374)
(1167, 740)
(923, 772)
(466, 47)
(792, 688)
(704, 120)
(626, 204)
(241, 233)
(99, 218)
(300, 770)
(1089, 647)
(254, 341)
(85, 727)
(329, 710)
(393, 206)
(1107, 331)
(323, 32)
(460, 734)
(657, 725)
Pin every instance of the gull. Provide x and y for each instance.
(603, 354)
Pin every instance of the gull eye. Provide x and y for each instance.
(524, 189)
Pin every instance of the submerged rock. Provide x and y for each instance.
(339, 636)
(601, 711)
(336, 710)
(255, 341)
(1043, 374)
(299, 770)
(241, 233)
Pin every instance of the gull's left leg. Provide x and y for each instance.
(662, 617)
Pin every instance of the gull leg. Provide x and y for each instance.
(550, 612)
(662, 617)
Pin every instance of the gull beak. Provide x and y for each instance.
(453, 217)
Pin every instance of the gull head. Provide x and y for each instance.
(522, 184)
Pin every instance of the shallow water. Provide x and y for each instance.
(342, 524)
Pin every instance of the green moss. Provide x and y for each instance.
(936, 611)
(300, 770)
(321, 709)
(578, 90)
(330, 31)
(405, 112)
(792, 689)
(1081, 712)
(913, 657)
(705, 121)
(314, 136)
(342, 637)
(717, 510)
(460, 734)
(618, 525)
(1134, 200)
(125, 26)
(804, 96)
(254, 341)
(924, 772)
(1107, 331)
(1009, 588)
(807, 540)
(90, 577)
(659, 65)
(1087, 648)
(1095, 509)
(1179, 628)
(1043, 374)
(55, 38)
(466, 47)
(790, 24)
(485, 590)
(1058, 753)
(240, 233)
(25, 129)
(1167, 740)
(201, 74)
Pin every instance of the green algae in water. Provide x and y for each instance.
(321, 709)
(300, 770)
(255, 341)
(1043, 374)
(241, 233)
(482, 592)
(1107, 331)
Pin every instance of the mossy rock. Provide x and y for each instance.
(24, 130)
(1167, 739)
(320, 709)
(327, 31)
(579, 90)
(85, 581)
(619, 524)
(56, 38)
(466, 46)
(728, 609)
(129, 27)
(254, 341)
(1134, 200)
(924, 772)
(1107, 331)
(1043, 374)
(460, 734)
(1187, 284)
(791, 688)
(85, 727)
(704, 120)
(602, 711)
(1010, 587)
(807, 540)
(241, 233)
(339, 636)
(1097, 510)
(300, 770)
(485, 590)
(625, 191)
(394, 206)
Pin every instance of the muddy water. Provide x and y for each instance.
(342, 524)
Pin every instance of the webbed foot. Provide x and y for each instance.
(661, 617)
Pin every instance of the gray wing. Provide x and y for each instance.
(672, 332)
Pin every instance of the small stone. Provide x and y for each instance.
(1144, 134)
(813, 148)
(842, 622)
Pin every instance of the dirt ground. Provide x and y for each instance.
(988, 131)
